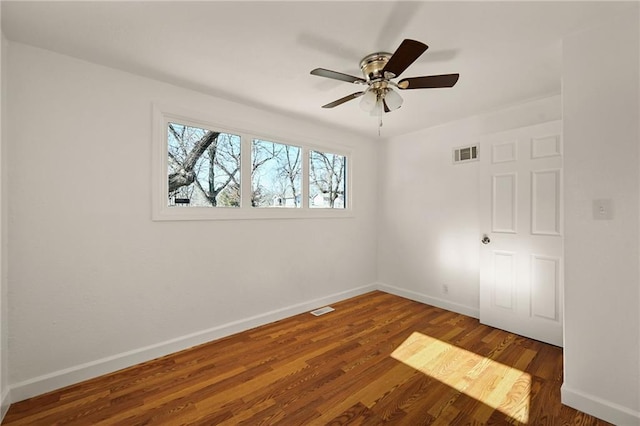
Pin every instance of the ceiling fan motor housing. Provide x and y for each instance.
(373, 64)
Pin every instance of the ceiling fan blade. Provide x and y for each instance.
(429, 82)
(321, 72)
(406, 54)
(343, 100)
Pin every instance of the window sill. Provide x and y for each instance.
(231, 213)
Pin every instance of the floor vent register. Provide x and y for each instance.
(322, 311)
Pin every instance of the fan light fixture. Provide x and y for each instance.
(369, 100)
(377, 101)
(393, 99)
(374, 98)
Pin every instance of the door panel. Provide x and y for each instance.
(521, 275)
(545, 202)
(504, 208)
(545, 284)
(504, 151)
(504, 282)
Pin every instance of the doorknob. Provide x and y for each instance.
(486, 239)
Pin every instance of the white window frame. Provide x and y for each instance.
(161, 211)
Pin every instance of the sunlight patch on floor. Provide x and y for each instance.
(496, 385)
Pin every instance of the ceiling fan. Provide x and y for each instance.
(379, 69)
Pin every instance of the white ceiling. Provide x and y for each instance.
(260, 53)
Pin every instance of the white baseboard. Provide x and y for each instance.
(5, 402)
(598, 407)
(429, 300)
(58, 379)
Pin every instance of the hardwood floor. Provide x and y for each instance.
(377, 359)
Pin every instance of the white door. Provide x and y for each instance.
(521, 258)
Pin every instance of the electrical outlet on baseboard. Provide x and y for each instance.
(445, 289)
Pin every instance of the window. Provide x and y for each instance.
(203, 167)
(204, 171)
(327, 175)
(276, 172)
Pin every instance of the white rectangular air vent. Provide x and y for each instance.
(322, 311)
(465, 153)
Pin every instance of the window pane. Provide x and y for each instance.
(203, 167)
(327, 174)
(275, 174)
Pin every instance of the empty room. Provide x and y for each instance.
(320, 212)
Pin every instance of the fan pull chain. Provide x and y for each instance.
(380, 108)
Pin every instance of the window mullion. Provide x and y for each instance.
(245, 171)
(304, 191)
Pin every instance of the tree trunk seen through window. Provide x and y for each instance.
(204, 166)
(327, 173)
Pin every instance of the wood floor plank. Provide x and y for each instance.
(377, 359)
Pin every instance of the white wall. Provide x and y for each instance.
(94, 283)
(4, 323)
(429, 211)
(601, 134)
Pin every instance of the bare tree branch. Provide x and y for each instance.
(328, 174)
(185, 175)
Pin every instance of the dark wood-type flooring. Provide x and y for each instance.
(377, 359)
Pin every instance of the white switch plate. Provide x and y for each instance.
(603, 209)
